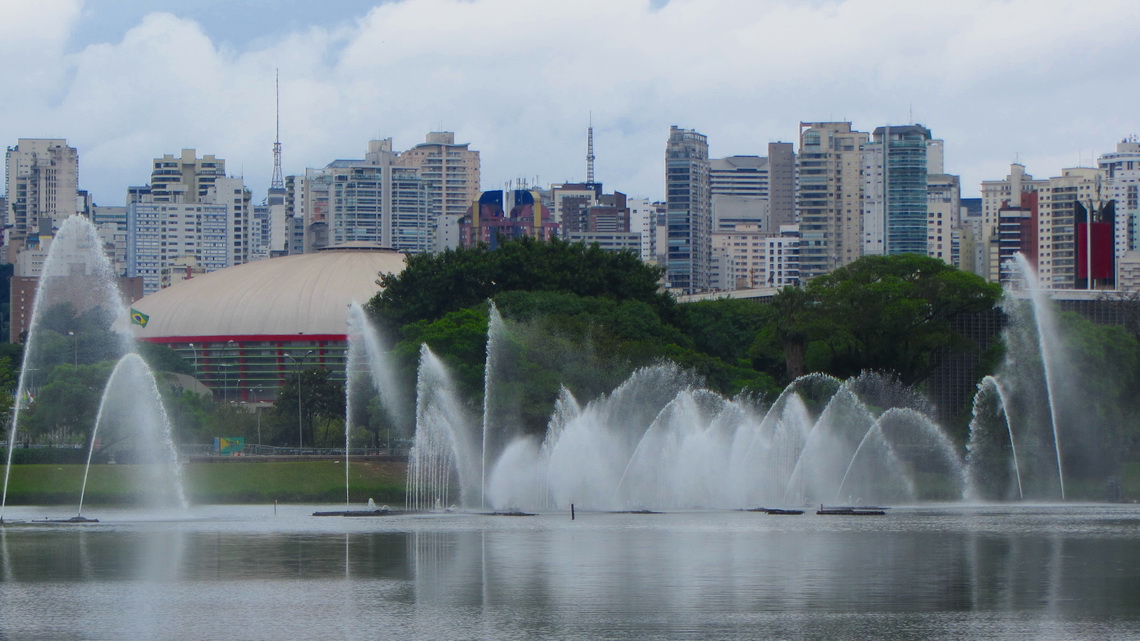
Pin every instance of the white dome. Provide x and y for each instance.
(304, 294)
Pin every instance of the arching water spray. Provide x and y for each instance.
(75, 264)
(131, 399)
(1046, 329)
(976, 446)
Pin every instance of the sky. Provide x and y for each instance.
(1041, 82)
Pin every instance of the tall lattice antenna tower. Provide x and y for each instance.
(278, 181)
(590, 151)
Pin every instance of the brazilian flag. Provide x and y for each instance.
(139, 318)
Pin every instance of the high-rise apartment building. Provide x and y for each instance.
(42, 183)
(450, 172)
(895, 169)
(740, 192)
(644, 215)
(997, 194)
(943, 211)
(373, 200)
(1063, 209)
(781, 185)
(688, 211)
(1122, 186)
(830, 193)
(190, 219)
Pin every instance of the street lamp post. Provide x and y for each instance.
(76, 341)
(257, 409)
(226, 372)
(300, 425)
(195, 351)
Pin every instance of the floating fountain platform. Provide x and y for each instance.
(74, 519)
(513, 512)
(868, 510)
(776, 510)
(378, 512)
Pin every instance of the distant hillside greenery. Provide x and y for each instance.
(583, 318)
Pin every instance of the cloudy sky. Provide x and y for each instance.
(1050, 84)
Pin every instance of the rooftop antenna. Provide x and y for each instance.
(590, 151)
(278, 182)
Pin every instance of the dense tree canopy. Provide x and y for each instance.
(433, 284)
(886, 313)
(584, 318)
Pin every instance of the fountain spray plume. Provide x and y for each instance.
(1046, 337)
(444, 460)
(131, 401)
(369, 361)
(75, 269)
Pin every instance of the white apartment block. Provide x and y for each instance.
(643, 217)
(1122, 185)
(42, 184)
(191, 219)
(372, 201)
(782, 258)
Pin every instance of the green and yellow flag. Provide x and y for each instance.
(139, 318)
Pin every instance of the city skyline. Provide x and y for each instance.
(1000, 82)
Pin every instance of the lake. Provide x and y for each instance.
(259, 572)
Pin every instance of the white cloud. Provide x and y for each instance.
(997, 79)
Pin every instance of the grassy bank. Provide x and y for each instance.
(229, 482)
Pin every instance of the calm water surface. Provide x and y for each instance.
(1019, 572)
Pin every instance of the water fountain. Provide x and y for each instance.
(662, 441)
(1029, 417)
(132, 405)
(76, 269)
(369, 370)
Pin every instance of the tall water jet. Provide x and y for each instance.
(1047, 337)
(132, 405)
(445, 457)
(368, 363)
(495, 434)
(990, 430)
(75, 269)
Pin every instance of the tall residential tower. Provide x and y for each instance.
(688, 212)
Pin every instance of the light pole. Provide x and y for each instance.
(76, 341)
(257, 408)
(226, 377)
(300, 425)
(195, 351)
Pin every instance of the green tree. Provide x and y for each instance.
(433, 284)
(65, 405)
(320, 402)
(894, 314)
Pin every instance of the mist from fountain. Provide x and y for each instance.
(369, 370)
(1047, 339)
(660, 441)
(444, 462)
(75, 265)
(1033, 417)
(990, 430)
(132, 406)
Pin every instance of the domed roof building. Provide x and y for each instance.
(247, 328)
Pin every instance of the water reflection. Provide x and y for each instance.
(1049, 574)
